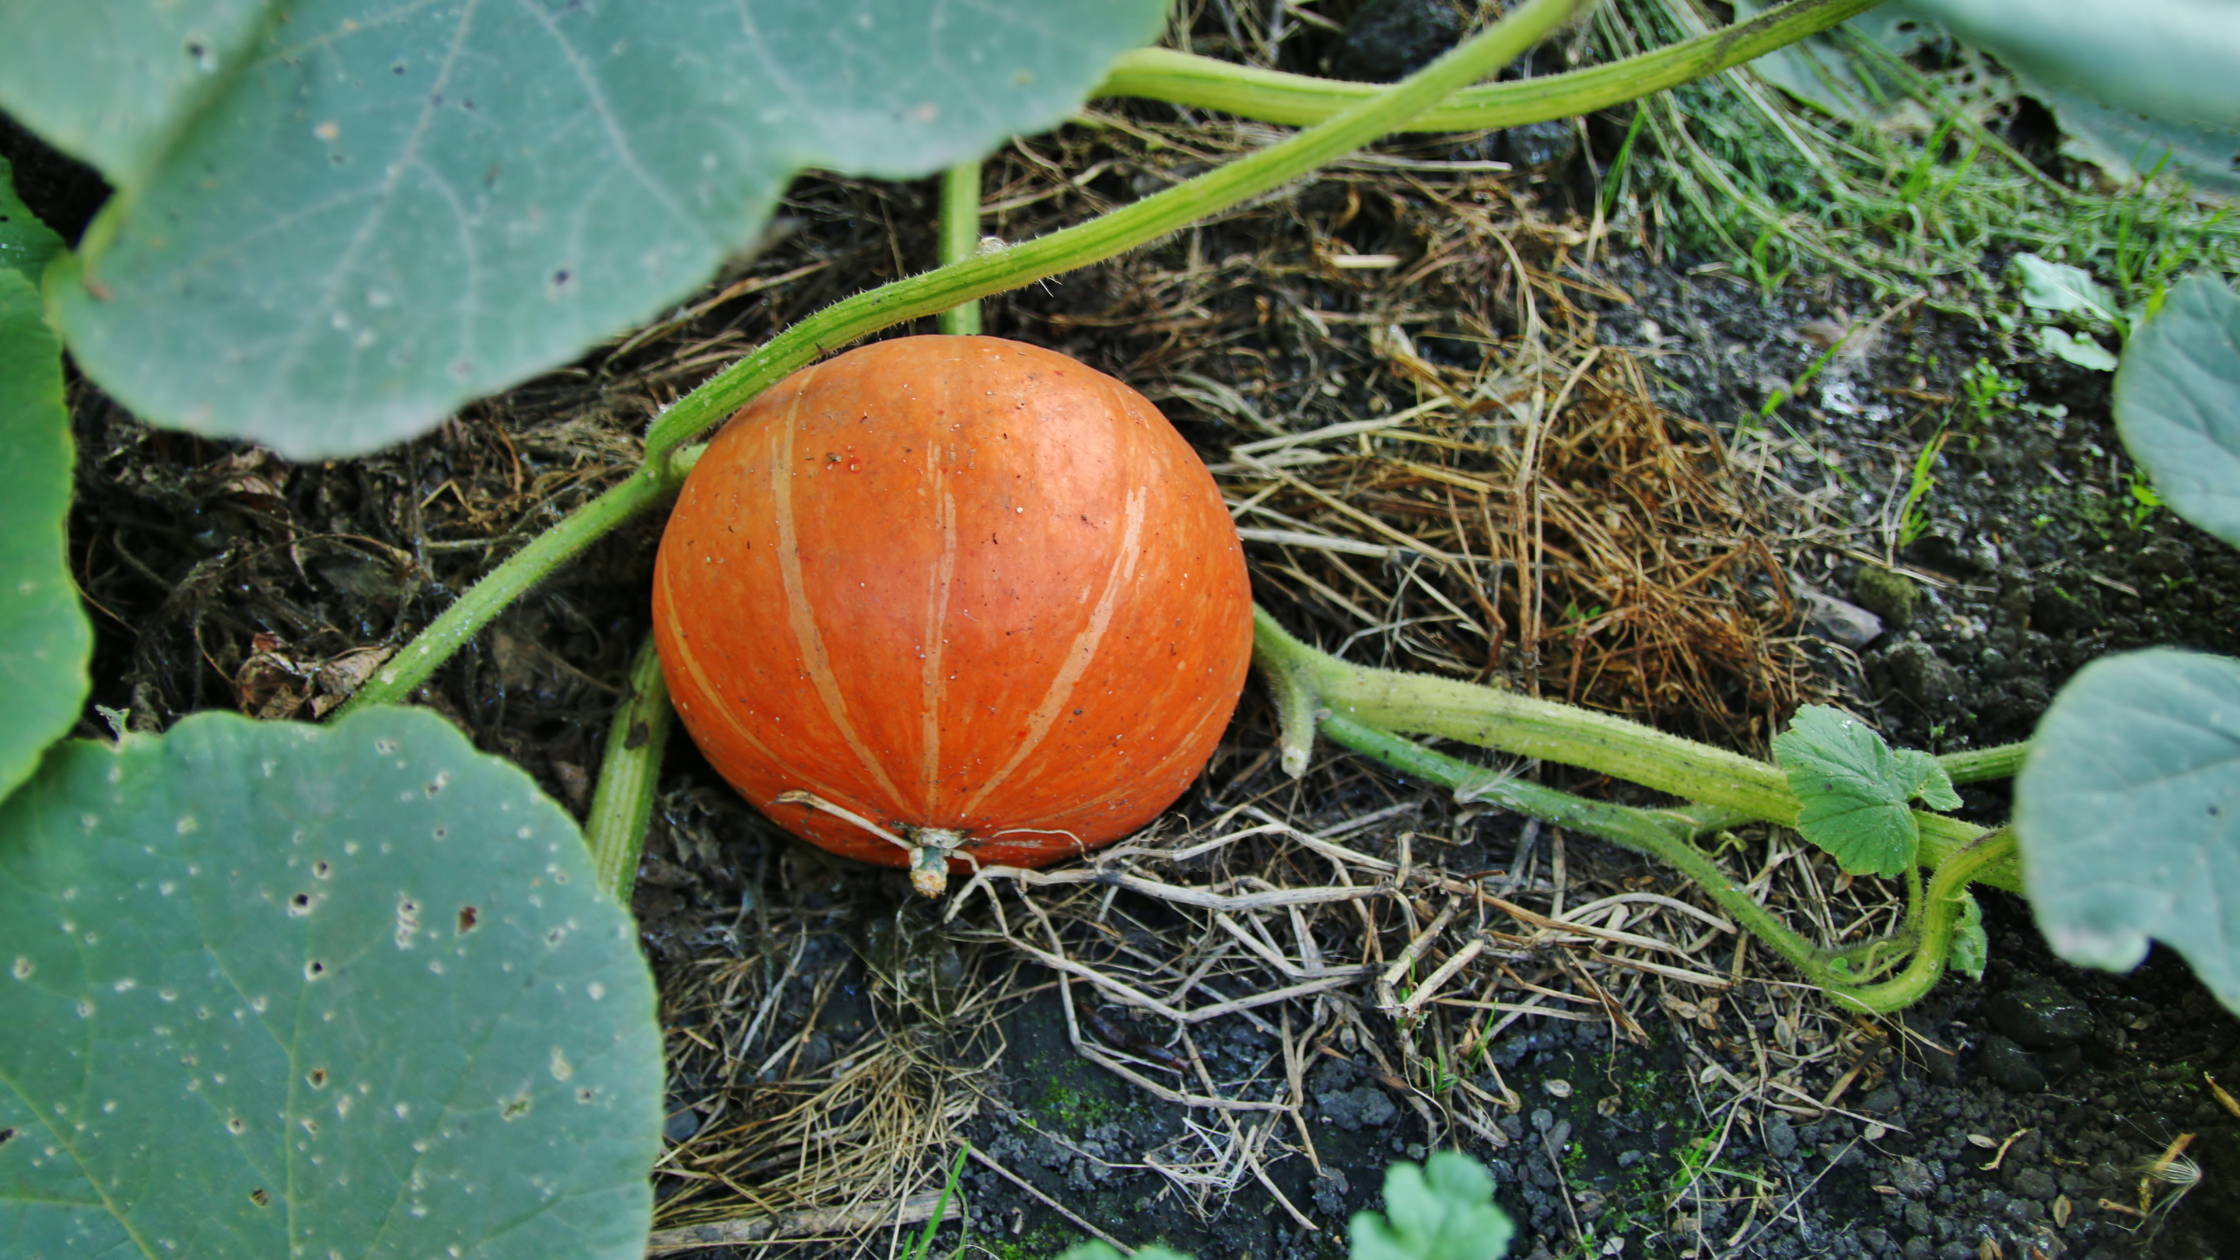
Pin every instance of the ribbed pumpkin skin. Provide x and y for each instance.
(954, 582)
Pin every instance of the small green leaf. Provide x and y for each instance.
(2177, 403)
(279, 990)
(1442, 1210)
(1098, 1249)
(45, 638)
(1923, 778)
(2061, 288)
(1971, 946)
(2128, 812)
(1852, 790)
(2075, 348)
(369, 213)
(26, 244)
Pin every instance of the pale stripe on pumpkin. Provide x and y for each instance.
(799, 616)
(1083, 650)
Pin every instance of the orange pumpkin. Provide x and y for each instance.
(949, 601)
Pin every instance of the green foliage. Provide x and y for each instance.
(269, 989)
(922, 1246)
(2129, 810)
(1971, 945)
(2177, 403)
(2059, 292)
(2135, 88)
(345, 218)
(44, 635)
(2129, 802)
(1101, 1250)
(1988, 393)
(1853, 790)
(1890, 173)
(2062, 289)
(1441, 1209)
(2170, 59)
(26, 245)
(1913, 518)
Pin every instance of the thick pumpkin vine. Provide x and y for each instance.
(379, 797)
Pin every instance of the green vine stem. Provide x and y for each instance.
(960, 238)
(622, 804)
(1181, 78)
(1313, 687)
(1010, 266)
(1975, 765)
(1662, 835)
(455, 626)
(1940, 914)
(1300, 679)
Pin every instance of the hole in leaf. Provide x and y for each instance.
(468, 917)
(314, 970)
(236, 1125)
(318, 1078)
(514, 1108)
(259, 1197)
(322, 868)
(7, 1136)
(300, 904)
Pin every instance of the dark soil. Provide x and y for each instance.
(2007, 1117)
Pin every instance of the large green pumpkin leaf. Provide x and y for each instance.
(2177, 403)
(281, 990)
(2130, 146)
(108, 80)
(381, 211)
(2169, 59)
(44, 636)
(2128, 808)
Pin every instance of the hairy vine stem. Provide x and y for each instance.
(1321, 686)
(1180, 78)
(960, 239)
(622, 804)
(1364, 708)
